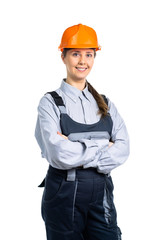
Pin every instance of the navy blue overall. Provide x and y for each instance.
(77, 204)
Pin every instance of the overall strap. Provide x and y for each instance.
(58, 101)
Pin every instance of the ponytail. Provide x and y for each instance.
(103, 108)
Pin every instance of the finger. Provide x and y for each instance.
(110, 144)
(62, 135)
(59, 133)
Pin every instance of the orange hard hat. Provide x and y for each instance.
(79, 36)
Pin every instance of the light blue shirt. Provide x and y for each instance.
(66, 154)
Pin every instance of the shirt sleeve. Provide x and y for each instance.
(117, 154)
(62, 153)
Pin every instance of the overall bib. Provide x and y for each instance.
(77, 204)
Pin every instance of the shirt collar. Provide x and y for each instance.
(72, 92)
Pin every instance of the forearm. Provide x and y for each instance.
(116, 154)
(113, 157)
(63, 153)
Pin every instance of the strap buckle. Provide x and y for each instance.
(71, 175)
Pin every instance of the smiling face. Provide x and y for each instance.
(78, 63)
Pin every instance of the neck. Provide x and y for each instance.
(78, 84)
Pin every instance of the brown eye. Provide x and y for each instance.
(89, 55)
(75, 54)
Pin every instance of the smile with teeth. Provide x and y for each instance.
(81, 69)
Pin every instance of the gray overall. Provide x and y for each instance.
(77, 204)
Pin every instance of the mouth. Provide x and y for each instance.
(81, 69)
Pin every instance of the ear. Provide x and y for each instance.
(63, 58)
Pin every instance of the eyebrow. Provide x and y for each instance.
(80, 51)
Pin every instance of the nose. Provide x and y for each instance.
(82, 60)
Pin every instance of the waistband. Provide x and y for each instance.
(76, 173)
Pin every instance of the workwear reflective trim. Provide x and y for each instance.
(106, 206)
(74, 200)
(88, 135)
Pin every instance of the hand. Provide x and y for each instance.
(110, 144)
(62, 135)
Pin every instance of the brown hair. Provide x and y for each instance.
(103, 108)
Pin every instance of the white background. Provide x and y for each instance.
(127, 70)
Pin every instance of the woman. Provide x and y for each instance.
(83, 137)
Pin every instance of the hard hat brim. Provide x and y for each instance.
(60, 48)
